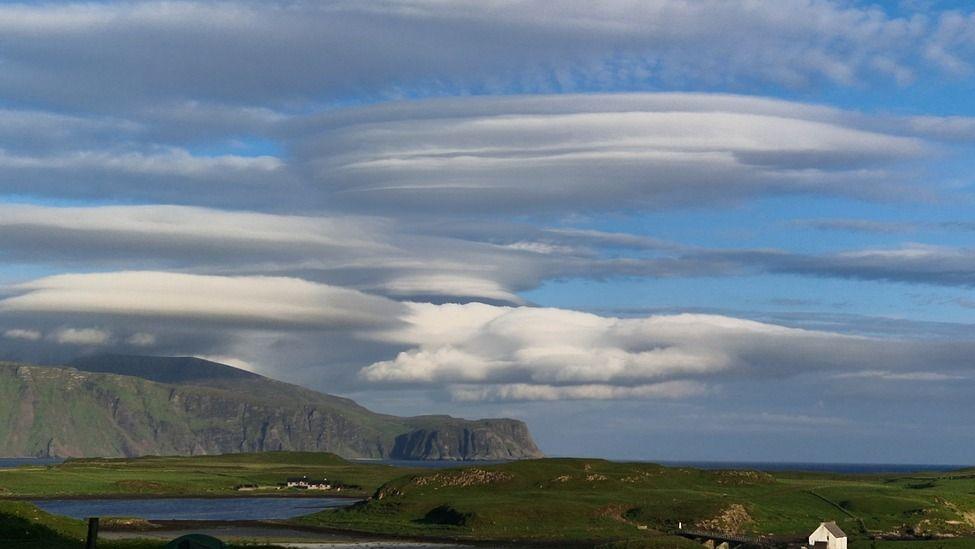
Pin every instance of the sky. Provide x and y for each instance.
(655, 230)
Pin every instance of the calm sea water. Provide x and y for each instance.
(17, 462)
(855, 468)
(192, 508)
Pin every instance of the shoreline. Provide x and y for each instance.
(143, 496)
(331, 536)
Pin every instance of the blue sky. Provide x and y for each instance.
(744, 222)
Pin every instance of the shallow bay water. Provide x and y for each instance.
(266, 508)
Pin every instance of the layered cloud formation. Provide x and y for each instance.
(478, 351)
(585, 152)
(108, 55)
(534, 154)
(487, 352)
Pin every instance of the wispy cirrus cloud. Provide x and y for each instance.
(858, 225)
(117, 54)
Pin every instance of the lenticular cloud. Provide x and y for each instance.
(483, 352)
(582, 152)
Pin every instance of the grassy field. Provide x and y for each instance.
(579, 502)
(960, 543)
(190, 476)
(24, 526)
(584, 501)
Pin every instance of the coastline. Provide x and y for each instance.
(303, 535)
(87, 497)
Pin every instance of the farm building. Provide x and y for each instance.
(828, 536)
(308, 484)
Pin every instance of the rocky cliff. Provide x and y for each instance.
(66, 412)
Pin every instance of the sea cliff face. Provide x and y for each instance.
(64, 412)
(486, 439)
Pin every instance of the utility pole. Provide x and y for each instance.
(92, 541)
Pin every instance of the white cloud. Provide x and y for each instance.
(524, 391)
(278, 52)
(886, 375)
(367, 253)
(82, 336)
(173, 162)
(27, 335)
(272, 301)
(141, 339)
(472, 351)
(231, 361)
(569, 353)
(431, 284)
(165, 175)
(483, 352)
(186, 226)
(589, 152)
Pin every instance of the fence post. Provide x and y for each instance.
(92, 540)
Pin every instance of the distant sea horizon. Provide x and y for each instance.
(811, 467)
(767, 466)
(6, 463)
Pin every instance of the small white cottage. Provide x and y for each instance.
(828, 536)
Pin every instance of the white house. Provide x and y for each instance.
(306, 484)
(828, 536)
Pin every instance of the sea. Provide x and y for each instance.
(17, 462)
(193, 508)
(814, 467)
(767, 466)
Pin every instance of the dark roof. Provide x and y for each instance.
(834, 529)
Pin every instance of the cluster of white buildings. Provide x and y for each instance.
(305, 483)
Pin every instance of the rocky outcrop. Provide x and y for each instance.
(485, 439)
(64, 412)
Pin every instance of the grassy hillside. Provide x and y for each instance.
(188, 476)
(960, 543)
(593, 500)
(568, 502)
(207, 408)
(24, 526)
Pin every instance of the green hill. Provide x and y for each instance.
(588, 501)
(192, 407)
(24, 525)
(186, 476)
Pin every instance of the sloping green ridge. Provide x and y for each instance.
(584, 500)
(24, 525)
(191, 476)
(53, 411)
